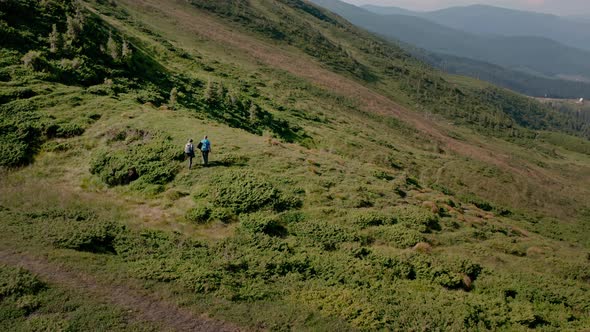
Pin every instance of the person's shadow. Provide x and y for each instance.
(229, 161)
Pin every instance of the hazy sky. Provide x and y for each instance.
(558, 7)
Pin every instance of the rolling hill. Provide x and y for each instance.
(351, 186)
(515, 80)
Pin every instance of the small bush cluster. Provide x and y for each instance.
(200, 214)
(23, 130)
(151, 161)
(78, 228)
(18, 282)
(20, 137)
(478, 202)
(95, 236)
(245, 192)
(367, 218)
(327, 235)
(398, 236)
(417, 218)
(257, 223)
(450, 273)
(64, 130)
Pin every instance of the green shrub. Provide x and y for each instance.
(155, 269)
(14, 153)
(101, 90)
(72, 213)
(20, 137)
(244, 192)
(78, 228)
(64, 130)
(53, 146)
(34, 60)
(200, 214)
(480, 203)
(18, 282)
(28, 304)
(447, 278)
(261, 223)
(417, 218)
(149, 94)
(397, 268)
(398, 236)
(292, 217)
(327, 235)
(152, 161)
(174, 195)
(91, 236)
(202, 280)
(367, 218)
(225, 215)
(10, 94)
(383, 176)
(449, 273)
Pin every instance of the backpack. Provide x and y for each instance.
(200, 145)
(188, 148)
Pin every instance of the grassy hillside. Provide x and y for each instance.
(352, 187)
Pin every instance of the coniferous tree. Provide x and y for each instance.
(209, 94)
(126, 51)
(173, 97)
(113, 48)
(232, 99)
(253, 113)
(55, 40)
(79, 15)
(74, 28)
(221, 92)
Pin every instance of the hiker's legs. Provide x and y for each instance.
(205, 157)
(190, 162)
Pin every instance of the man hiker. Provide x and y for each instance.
(189, 151)
(205, 146)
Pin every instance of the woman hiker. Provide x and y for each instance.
(189, 151)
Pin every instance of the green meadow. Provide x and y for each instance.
(351, 187)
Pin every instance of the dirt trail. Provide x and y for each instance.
(191, 20)
(142, 308)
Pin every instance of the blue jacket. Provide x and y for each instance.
(206, 145)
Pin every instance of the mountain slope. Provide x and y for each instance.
(456, 52)
(518, 81)
(351, 186)
(538, 55)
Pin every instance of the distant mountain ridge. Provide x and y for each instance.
(390, 10)
(483, 19)
(537, 57)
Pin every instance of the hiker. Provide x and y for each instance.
(189, 151)
(205, 146)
